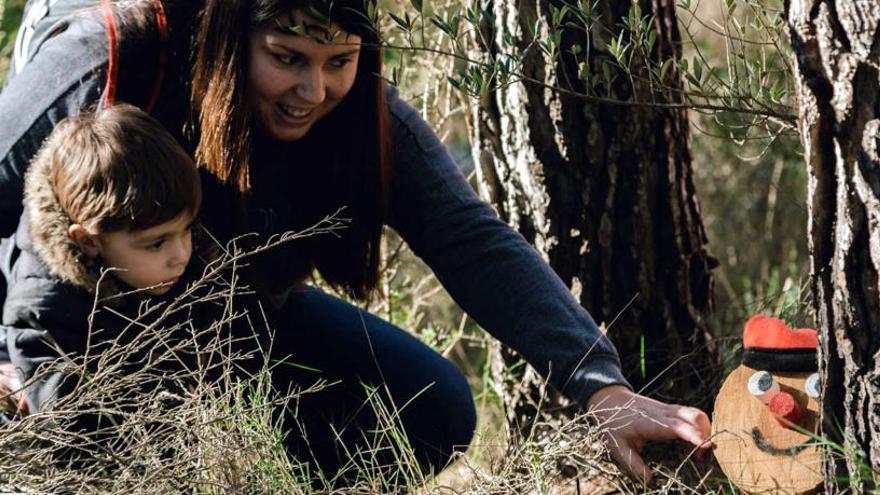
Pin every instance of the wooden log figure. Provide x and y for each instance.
(766, 414)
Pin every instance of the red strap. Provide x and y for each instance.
(113, 57)
(113, 54)
(162, 26)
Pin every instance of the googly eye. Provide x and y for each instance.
(813, 386)
(763, 386)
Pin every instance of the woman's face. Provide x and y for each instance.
(294, 80)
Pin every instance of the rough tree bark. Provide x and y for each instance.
(604, 192)
(837, 54)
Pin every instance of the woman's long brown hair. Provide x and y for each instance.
(354, 140)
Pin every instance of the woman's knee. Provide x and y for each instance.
(461, 407)
(444, 421)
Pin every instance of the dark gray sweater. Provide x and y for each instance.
(487, 267)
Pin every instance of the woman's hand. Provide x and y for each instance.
(630, 420)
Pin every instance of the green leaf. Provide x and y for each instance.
(606, 69)
(554, 15)
(508, 38)
(535, 29)
(585, 7)
(504, 68)
(698, 69)
(642, 356)
(472, 16)
(757, 24)
(776, 92)
(564, 12)
(442, 24)
(488, 16)
(417, 4)
(400, 22)
(584, 71)
(665, 68)
(455, 22)
(617, 48)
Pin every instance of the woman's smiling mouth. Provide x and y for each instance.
(293, 112)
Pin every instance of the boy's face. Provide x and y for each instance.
(152, 259)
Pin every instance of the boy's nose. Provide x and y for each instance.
(180, 255)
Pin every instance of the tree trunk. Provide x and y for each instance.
(837, 54)
(603, 191)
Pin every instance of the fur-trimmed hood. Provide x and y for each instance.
(48, 226)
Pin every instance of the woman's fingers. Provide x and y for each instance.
(627, 455)
(693, 426)
(632, 419)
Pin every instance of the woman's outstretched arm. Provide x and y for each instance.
(490, 269)
(502, 282)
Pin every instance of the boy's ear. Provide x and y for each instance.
(86, 241)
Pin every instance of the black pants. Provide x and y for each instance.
(383, 372)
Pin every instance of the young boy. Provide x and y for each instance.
(110, 200)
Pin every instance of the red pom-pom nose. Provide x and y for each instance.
(786, 408)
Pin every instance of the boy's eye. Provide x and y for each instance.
(156, 245)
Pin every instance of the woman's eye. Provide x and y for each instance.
(340, 63)
(284, 59)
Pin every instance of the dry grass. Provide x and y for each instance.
(165, 426)
(152, 413)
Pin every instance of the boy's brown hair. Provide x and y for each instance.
(118, 169)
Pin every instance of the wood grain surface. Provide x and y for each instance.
(754, 450)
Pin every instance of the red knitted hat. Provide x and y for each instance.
(771, 345)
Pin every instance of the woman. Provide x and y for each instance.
(291, 122)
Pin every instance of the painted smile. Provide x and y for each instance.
(764, 446)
